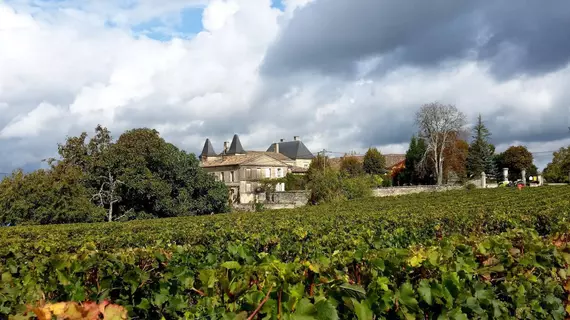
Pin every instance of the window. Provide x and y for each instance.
(258, 173)
(248, 173)
(232, 176)
(279, 173)
(268, 172)
(248, 187)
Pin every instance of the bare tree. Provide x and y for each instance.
(438, 124)
(107, 195)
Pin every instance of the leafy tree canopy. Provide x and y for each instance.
(139, 175)
(351, 166)
(374, 162)
(559, 168)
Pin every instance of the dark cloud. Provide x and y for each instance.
(516, 37)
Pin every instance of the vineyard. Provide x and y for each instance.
(464, 254)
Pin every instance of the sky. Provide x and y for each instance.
(344, 75)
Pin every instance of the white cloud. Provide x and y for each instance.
(35, 122)
(64, 71)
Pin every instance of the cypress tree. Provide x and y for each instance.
(480, 157)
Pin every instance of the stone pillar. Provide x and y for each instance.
(483, 180)
(523, 174)
(505, 174)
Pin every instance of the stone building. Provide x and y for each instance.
(242, 170)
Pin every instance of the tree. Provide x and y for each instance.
(456, 158)
(374, 162)
(161, 180)
(49, 196)
(517, 158)
(412, 172)
(480, 156)
(351, 166)
(325, 186)
(437, 123)
(559, 168)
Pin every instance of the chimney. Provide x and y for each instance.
(226, 146)
(277, 147)
(296, 138)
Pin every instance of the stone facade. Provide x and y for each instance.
(242, 171)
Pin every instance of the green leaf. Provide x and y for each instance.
(6, 277)
(305, 307)
(326, 311)
(407, 296)
(425, 292)
(353, 290)
(362, 310)
(160, 298)
(231, 265)
(383, 282)
(208, 277)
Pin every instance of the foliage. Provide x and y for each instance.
(139, 175)
(376, 180)
(295, 182)
(318, 164)
(374, 162)
(456, 154)
(559, 168)
(47, 196)
(480, 157)
(386, 180)
(438, 124)
(449, 255)
(357, 187)
(413, 173)
(470, 186)
(325, 186)
(351, 166)
(517, 158)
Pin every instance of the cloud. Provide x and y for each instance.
(343, 75)
(330, 37)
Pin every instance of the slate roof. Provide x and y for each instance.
(293, 150)
(208, 149)
(235, 147)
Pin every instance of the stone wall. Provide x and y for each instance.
(277, 200)
(296, 198)
(396, 191)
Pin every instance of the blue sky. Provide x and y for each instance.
(188, 24)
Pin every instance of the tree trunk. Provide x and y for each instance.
(110, 214)
(440, 172)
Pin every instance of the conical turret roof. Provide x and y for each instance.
(208, 149)
(235, 147)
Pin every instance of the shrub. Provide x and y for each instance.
(325, 186)
(357, 187)
(470, 186)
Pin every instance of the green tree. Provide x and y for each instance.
(374, 162)
(159, 179)
(50, 196)
(325, 186)
(480, 155)
(559, 168)
(351, 166)
(413, 173)
(517, 158)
